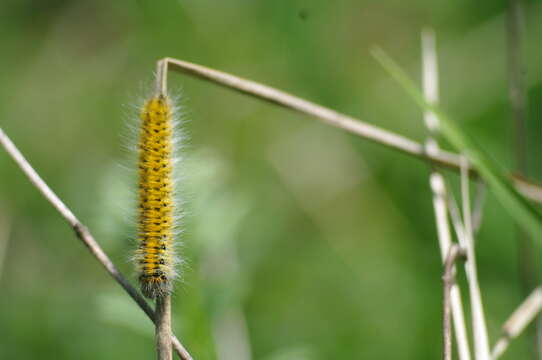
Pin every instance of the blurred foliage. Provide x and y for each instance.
(300, 241)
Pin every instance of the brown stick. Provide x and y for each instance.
(387, 138)
(83, 234)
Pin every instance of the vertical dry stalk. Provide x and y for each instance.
(465, 236)
(449, 281)
(430, 88)
(481, 342)
(163, 327)
(163, 301)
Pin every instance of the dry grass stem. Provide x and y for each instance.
(83, 234)
(481, 342)
(517, 322)
(161, 77)
(449, 281)
(397, 142)
(163, 303)
(452, 299)
(163, 328)
(466, 240)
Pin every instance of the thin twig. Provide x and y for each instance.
(163, 302)
(163, 327)
(481, 342)
(449, 282)
(440, 200)
(161, 77)
(397, 142)
(466, 241)
(83, 234)
(517, 322)
(436, 179)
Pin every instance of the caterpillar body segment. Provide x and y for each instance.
(155, 257)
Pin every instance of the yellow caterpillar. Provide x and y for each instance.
(154, 257)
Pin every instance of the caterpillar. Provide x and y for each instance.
(154, 257)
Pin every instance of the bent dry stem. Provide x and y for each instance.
(527, 187)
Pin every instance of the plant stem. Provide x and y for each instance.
(449, 282)
(163, 327)
(163, 302)
(479, 329)
(452, 296)
(331, 117)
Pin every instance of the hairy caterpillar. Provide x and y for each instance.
(155, 257)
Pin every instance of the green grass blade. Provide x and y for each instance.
(520, 210)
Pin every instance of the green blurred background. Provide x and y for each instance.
(300, 240)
